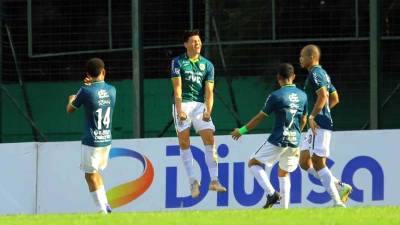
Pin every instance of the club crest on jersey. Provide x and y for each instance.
(202, 66)
(103, 94)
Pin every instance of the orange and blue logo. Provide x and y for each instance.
(127, 192)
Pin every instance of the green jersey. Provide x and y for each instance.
(194, 74)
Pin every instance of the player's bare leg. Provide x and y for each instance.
(256, 168)
(211, 158)
(305, 160)
(307, 165)
(187, 159)
(94, 181)
(284, 186)
(96, 188)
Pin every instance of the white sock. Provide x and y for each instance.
(98, 198)
(284, 186)
(312, 171)
(262, 178)
(328, 182)
(103, 195)
(187, 159)
(212, 161)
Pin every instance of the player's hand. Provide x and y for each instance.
(88, 80)
(313, 125)
(71, 98)
(235, 134)
(206, 116)
(182, 116)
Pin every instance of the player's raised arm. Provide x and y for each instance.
(70, 107)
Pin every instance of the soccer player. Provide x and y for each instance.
(289, 104)
(193, 84)
(98, 100)
(316, 143)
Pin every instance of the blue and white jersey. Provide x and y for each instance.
(98, 100)
(318, 78)
(289, 104)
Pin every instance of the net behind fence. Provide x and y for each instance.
(245, 40)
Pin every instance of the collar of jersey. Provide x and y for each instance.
(315, 66)
(192, 60)
(289, 85)
(96, 82)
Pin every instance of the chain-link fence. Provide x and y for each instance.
(245, 40)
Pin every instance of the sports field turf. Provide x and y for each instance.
(317, 216)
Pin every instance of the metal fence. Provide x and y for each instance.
(53, 38)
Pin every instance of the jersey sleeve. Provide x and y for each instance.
(331, 89)
(175, 68)
(268, 105)
(79, 99)
(319, 80)
(210, 72)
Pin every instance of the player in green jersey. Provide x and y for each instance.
(193, 83)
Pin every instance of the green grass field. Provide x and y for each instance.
(315, 216)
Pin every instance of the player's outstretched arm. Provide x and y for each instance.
(209, 100)
(253, 123)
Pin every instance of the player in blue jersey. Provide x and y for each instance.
(315, 147)
(193, 83)
(98, 99)
(289, 104)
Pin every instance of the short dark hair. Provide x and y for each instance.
(94, 66)
(189, 33)
(285, 70)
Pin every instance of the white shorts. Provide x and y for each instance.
(268, 154)
(94, 159)
(194, 112)
(318, 144)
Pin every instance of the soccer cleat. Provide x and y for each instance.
(344, 191)
(272, 199)
(216, 186)
(108, 208)
(195, 189)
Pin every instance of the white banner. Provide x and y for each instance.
(148, 175)
(18, 178)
